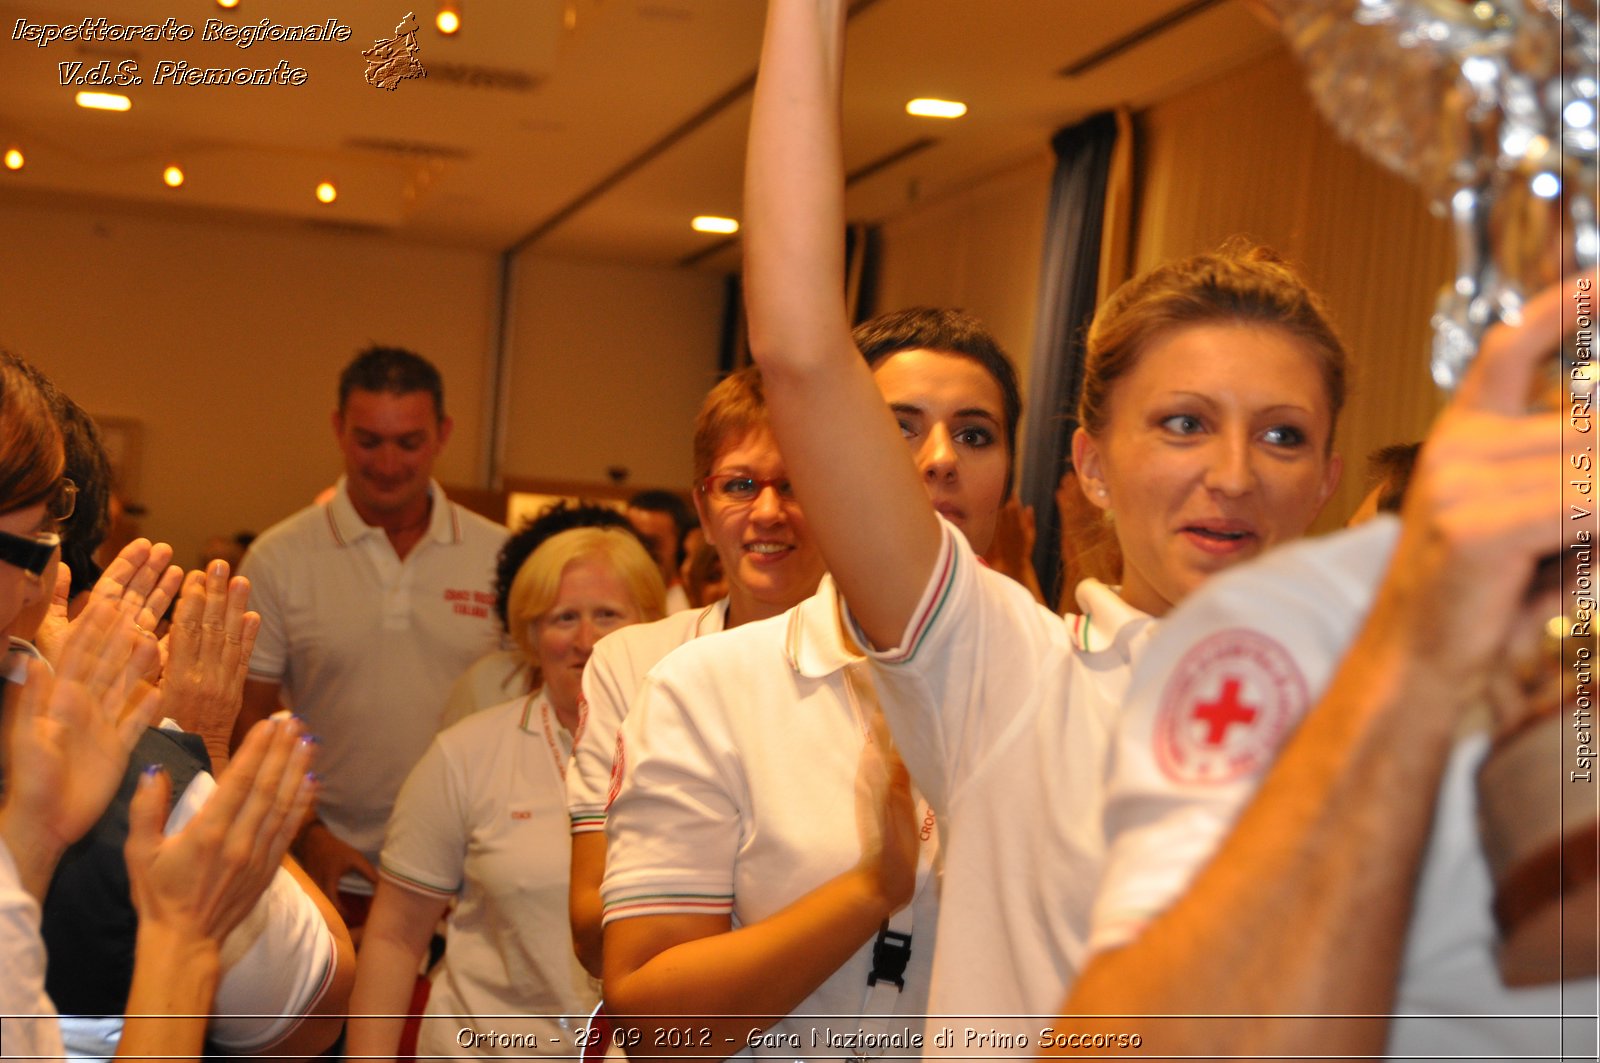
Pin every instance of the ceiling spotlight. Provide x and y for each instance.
(326, 193)
(227, 5)
(173, 176)
(14, 159)
(708, 223)
(926, 108)
(449, 18)
(104, 101)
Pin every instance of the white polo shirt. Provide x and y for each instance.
(1222, 687)
(611, 682)
(739, 797)
(367, 646)
(28, 1025)
(1003, 712)
(482, 819)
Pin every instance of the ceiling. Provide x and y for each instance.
(582, 128)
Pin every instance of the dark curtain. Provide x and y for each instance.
(863, 251)
(1068, 281)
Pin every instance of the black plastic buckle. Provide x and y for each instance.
(890, 954)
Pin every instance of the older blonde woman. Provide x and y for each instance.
(482, 821)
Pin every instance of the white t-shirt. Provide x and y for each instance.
(611, 682)
(482, 819)
(28, 1024)
(367, 646)
(1003, 714)
(738, 796)
(1222, 687)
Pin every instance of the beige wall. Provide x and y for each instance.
(224, 339)
(978, 250)
(610, 364)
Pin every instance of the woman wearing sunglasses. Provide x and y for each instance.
(70, 732)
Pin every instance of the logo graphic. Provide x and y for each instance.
(1229, 704)
(391, 61)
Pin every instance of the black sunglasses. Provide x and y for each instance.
(29, 553)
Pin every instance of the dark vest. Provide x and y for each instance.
(89, 923)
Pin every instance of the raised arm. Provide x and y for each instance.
(1332, 843)
(843, 449)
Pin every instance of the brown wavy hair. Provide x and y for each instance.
(732, 410)
(31, 454)
(1242, 282)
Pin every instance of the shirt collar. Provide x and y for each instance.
(712, 619)
(815, 644)
(1107, 622)
(348, 527)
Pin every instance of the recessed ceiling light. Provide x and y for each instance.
(448, 19)
(326, 193)
(104, 101)
(14, 159)
(173, 176)
(709, 223)
(926, 108)
(227, 5)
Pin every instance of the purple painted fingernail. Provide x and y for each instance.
(152, 770)
(314, 778)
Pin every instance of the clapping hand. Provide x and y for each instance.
(141, 577)
(886, 818)
(208, 656)
(205, 878)
(72, 736)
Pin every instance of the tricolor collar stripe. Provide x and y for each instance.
(1081, 626)
(943, 587)
(415, 884)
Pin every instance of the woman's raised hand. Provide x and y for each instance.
(886, 818)
(73, 734)
(205, 878)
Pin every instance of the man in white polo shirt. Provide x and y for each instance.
(371, 605)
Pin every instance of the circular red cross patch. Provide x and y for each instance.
(1228, 705)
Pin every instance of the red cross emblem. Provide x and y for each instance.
(1223, 713)
(1227, 705)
